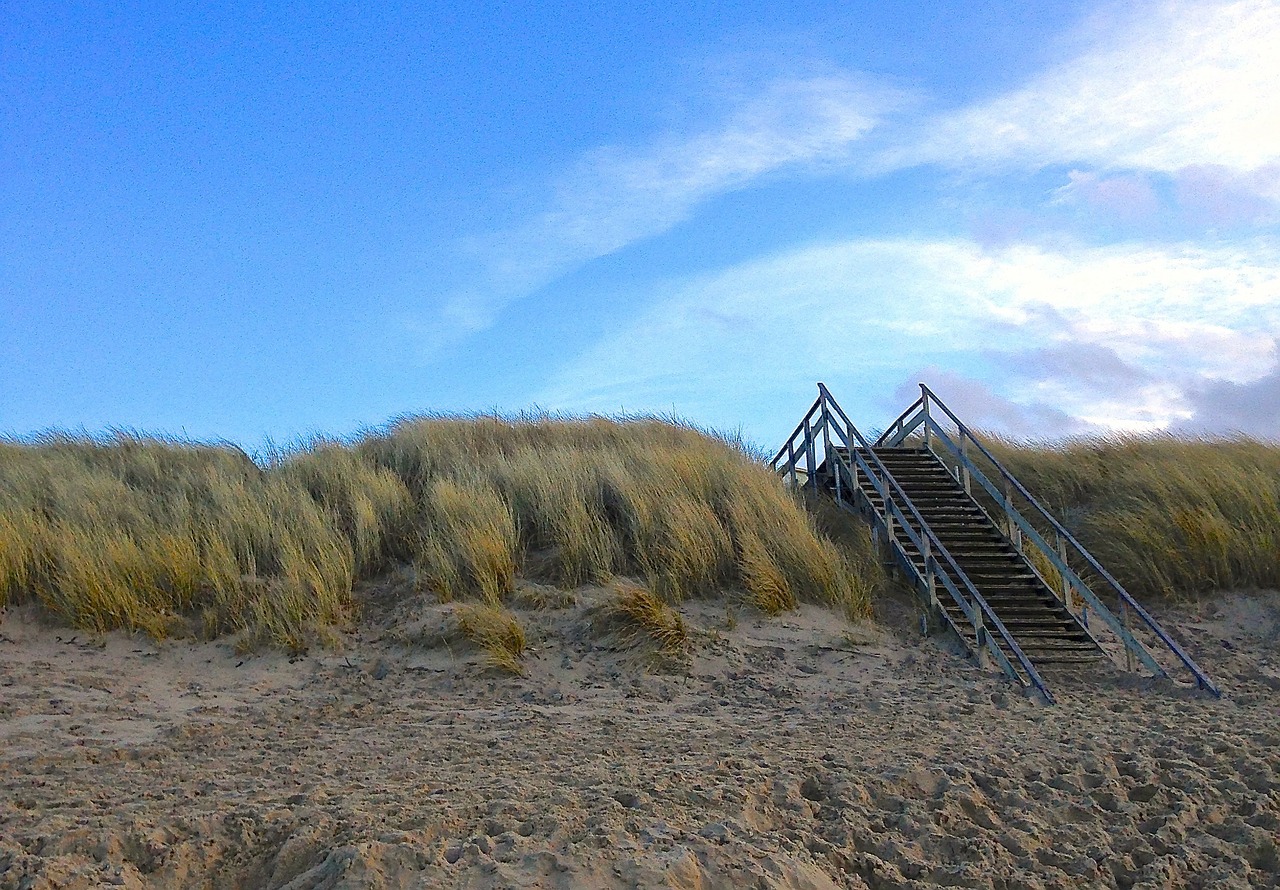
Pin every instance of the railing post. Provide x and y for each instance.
(891, 534)
(1015, 531)
(979, 633)
(891, 539)
(810, 454)
(826, 440)
(791, 461)
(1128, 652)
(931, 582)
(1068, 591)
(965, 476)
(924, 398)
(827, 421)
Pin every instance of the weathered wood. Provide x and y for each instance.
(1068, 592)
(915, 532)
(898, 520)
(810, 455)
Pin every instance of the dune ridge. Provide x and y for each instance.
(179, 539)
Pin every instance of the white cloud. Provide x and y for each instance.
(1169, 89)
(1212, 311)
(867, 313)
(615, 196)
(1169, 86)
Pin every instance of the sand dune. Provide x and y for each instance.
(794, 752)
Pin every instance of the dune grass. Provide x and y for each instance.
(645, 614)
(176, 538)
(168, 538)
(1166, 515)
(497, 632)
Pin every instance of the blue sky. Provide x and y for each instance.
(250, 222)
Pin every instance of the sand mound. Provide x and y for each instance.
(797, 752)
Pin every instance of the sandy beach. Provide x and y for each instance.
(797, 752)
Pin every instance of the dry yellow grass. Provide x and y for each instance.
(1164, 514)
(860, 564)
(167, 538)
(591, 499)
(175, 538)
(495, 630)
(645, 613)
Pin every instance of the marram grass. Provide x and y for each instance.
(644, 613)
(498, 634)
(174, 538)
(1166, 515)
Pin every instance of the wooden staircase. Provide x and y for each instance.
(922, 486)
(1041, 624)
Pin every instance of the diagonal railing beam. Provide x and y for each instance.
(1086, 593)
(934, 568)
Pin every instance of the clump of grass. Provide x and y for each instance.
(645, 613)
(861, 566)
(496, 631)
(1164, 514)
(369, 505)
(465, 541)
(766, 586)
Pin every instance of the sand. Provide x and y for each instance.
(798, 752)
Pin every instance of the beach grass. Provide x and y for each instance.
(647, 615)
(1167, 515)
(497, 632)
(174, 538)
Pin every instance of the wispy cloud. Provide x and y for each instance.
(615, 196)
(1118, 337)
(1163, 99)
(1167, 87)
